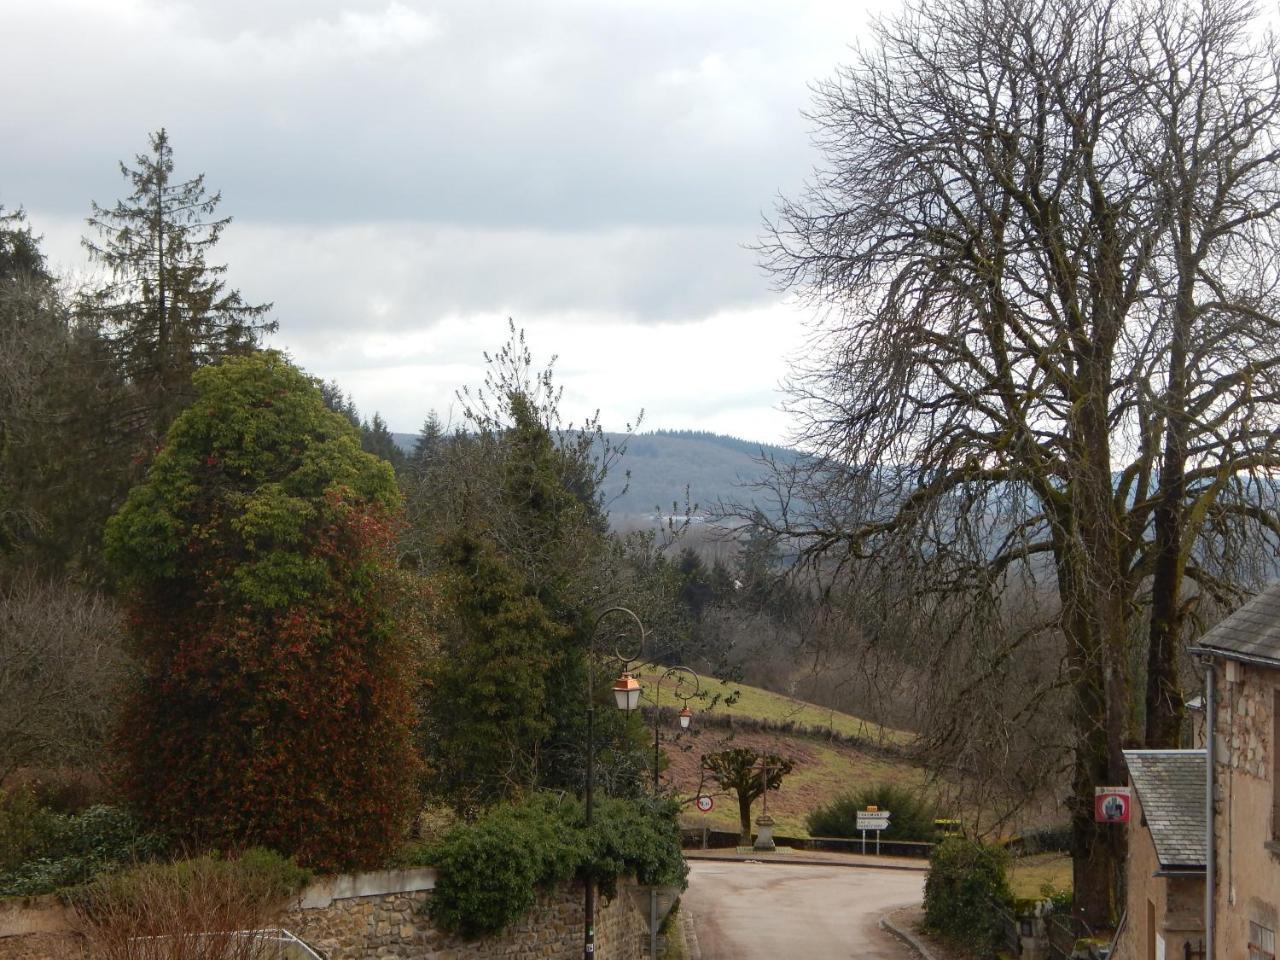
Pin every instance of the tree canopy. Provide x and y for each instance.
(1042, 241)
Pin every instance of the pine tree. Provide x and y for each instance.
(427, 445)
(167, 310)
(376, 438)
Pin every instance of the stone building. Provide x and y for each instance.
(1165, 880)
(1243, 652)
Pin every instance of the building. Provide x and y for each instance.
(1242, 654)
(1165, 872)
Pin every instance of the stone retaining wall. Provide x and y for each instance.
(382, 915)
(395, 925)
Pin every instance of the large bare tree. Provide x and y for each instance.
(1042, 249)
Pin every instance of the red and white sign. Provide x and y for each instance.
(705, 804)
(1111, 804)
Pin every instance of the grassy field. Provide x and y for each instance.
(1029, 875)
(823, 770)
(741, 700)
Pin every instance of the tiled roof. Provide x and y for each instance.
(1170, 784)
(1253, 630)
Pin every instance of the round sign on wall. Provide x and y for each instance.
(705, 804)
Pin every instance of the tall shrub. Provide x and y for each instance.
(256, 559)
(965, 879)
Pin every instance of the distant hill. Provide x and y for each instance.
(664, 462)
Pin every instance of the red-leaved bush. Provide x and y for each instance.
(258, 563)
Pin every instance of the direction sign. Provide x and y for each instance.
(705, 804)
(872, 819)
(1111, 804)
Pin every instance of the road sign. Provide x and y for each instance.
(705, 804)
(1111, 804)
(872, 819)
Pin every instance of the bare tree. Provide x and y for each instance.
(1042, 247)
(61, 665)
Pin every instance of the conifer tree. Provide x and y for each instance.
(376, 438)
(166, 310)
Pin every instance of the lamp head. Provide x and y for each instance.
(626, 692)
(686, 717)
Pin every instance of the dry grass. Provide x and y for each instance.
(822, 771)
(1029, 876)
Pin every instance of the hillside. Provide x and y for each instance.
(824, 768)
(662, 464)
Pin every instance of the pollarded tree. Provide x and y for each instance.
(1044, 243)
(257, 561)
(167, 310)
(748, 774)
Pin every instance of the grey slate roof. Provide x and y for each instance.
(1252, 631)
(1170, 784)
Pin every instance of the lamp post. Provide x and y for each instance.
(681, 674)
(626, 696)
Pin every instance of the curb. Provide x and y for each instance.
(909, 938)
(800, 862)
(689, 931)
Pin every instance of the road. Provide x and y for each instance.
(762, 911)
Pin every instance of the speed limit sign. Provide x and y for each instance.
(705, 804)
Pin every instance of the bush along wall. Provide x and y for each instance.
(488, 871)
(966, 879)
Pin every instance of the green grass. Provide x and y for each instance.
(741, 700)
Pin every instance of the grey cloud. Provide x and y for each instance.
(565, 113)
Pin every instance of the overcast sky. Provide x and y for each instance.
(403, 176)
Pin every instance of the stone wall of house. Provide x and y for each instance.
(1168, 909)
(384, 915)
(1248, 875)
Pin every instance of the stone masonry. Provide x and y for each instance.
(371, 916)
(396, 925)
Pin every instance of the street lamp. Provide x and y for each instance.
(626, 694)
(681, 675)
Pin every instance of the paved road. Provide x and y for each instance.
(761, 911)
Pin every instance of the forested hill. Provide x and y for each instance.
(664, 462)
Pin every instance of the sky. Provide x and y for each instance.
(405, 176)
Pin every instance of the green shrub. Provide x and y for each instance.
(487, 871)
(965, 879)
(913, 815)
(26, 828)
(54, 850)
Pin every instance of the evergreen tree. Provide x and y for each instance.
(167, 310)
(427, 444)
(489, 712)
(336, 400)
(376, 438)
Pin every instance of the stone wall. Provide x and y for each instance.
(396, 925)
(1248, 876)
(379, 915)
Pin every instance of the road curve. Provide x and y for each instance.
(759, 911)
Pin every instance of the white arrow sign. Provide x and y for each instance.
(873, 820)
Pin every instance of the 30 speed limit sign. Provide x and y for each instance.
(705, 804)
